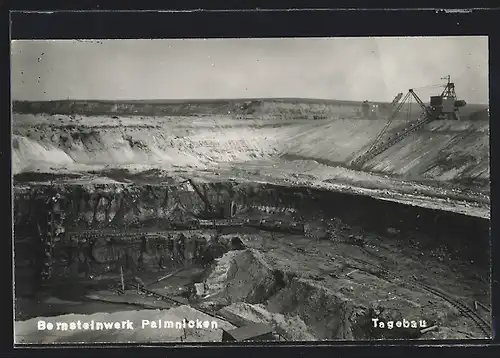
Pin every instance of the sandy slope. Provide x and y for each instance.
(441, 151)
(429, 168)
(178, 142)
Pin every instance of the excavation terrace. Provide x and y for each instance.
(288, 235)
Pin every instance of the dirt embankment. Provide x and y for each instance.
(57, 142)
(150, 208)
(442, 151)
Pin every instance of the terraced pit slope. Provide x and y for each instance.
(406, 238)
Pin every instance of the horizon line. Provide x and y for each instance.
(173, 100)
(193, 99)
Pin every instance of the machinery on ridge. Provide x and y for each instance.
(373, 110)
(224, 210)
(446, 105)
(442, 107)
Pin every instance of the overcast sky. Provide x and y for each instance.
(336, 68)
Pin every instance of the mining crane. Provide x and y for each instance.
(444, 106)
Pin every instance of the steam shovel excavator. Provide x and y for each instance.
(225, 210)
(443, 107)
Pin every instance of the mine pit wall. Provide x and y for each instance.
(440, 152)
(116, 217)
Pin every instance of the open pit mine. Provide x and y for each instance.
(245, 220)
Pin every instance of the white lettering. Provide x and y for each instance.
(377, 323)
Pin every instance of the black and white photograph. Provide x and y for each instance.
(250, 190)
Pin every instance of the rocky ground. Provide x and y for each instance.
(309, 276)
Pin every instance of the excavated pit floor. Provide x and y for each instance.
(311, 263)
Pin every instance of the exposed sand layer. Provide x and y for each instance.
(430, 167)
(442, 151)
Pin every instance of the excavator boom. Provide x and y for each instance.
(200, 194)
(430, 113)
(376, 148)
(426, 109)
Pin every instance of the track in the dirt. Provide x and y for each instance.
(464, 309)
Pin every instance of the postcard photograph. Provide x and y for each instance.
(251, 190)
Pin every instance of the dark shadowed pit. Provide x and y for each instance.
(265, 251)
